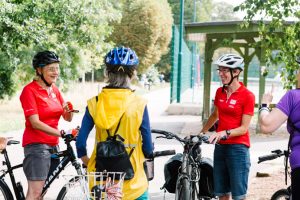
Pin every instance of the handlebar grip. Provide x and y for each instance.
(268, 157)
(163, 153)
(9, 142)
(158, 131)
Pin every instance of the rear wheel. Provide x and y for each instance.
(282, 194)
(5, 192)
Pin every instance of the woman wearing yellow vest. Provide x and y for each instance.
(117, 102)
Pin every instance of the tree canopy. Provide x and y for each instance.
(146, 29)
(75, 29)
(279, 37)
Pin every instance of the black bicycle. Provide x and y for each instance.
(194, 177)
(68, 156)
(284, 194)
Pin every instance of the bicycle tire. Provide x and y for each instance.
(282, 194)
(183, 191)
(5, 192)
(65, 193)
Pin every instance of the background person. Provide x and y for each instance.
(234, 108)
(287, 109)
(114, 102)
(43, 105)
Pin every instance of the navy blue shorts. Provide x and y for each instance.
(231, 170)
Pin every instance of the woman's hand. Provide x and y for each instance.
(68, 111)
(216, 137)
(267, 98)
(85, 160)
(3, 143)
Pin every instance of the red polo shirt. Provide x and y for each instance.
(231, 110)
(35, 100)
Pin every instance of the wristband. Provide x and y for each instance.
(264, 108)
(263, 105)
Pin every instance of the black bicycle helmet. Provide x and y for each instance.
(43, 58)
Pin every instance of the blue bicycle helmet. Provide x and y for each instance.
(43, 58)
(121, 56)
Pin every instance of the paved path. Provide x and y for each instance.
(158, 102)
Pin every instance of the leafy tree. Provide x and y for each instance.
(145, 27)
(223, 11)
(75, 29)
(277, 34)
(206, 11)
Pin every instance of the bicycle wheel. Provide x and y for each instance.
(76, 188)
(183, 191)
(5, 193)
(282, 194)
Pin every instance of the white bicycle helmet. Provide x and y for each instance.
(232, 61)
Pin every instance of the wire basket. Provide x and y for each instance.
(95, 186)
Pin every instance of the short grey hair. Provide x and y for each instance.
(118, 79)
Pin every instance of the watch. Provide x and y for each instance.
(263, 105)
(228, 132)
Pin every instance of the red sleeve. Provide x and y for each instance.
(249, 105)
(28, 102)
(217, 96)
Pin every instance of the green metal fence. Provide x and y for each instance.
(181, 77)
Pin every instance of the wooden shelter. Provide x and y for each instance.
(226, 34)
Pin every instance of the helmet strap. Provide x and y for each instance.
(231, 80)
(42, 77)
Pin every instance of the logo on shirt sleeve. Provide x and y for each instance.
(28, 110)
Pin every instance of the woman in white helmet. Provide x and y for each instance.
(234, 108)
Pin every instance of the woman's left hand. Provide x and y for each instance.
(215, 137)
(267, 98)
(68, 107)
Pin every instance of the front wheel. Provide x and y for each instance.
(183, 191)
(5, 192)
(282, 194)
(76, 188)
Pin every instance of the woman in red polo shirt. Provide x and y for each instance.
(234, 108)
(43, 106)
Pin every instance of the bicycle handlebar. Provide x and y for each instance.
(163, 153)
(192, 139)
(275, 154)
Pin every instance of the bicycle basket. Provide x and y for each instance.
(95, 185)
(171, 172)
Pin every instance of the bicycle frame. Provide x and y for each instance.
(18, 190)
(189, 175)
(287, 193)
(67, 155)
